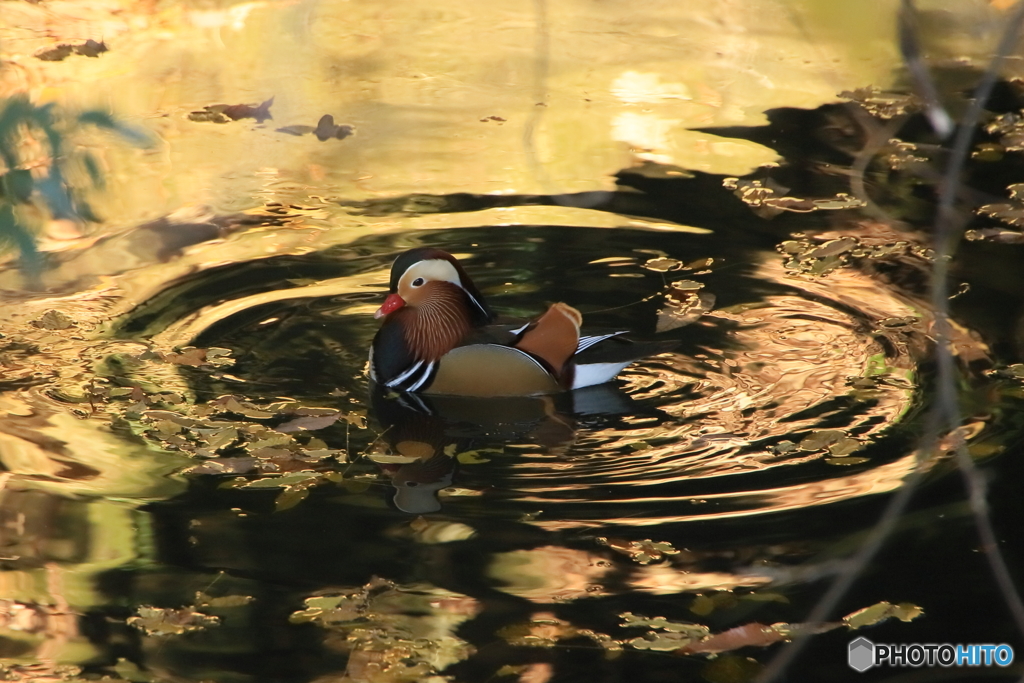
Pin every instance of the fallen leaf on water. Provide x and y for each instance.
(56, 53)
(884, 105)
(661, 623)
(686, 285)
(290, 497)
(544, 630)
(54, 320)
(222, 113)
(194, 357)
(308, 423)
(683, 308)
(661, 642)
(643, 552)
(232, 404)
(223, 466)
(753, 634)
(844, 447)
(820, 438)
(204, 600)
(170, 622)
(325, 129)
(663, 265)
(475, 457)
(869, 616)
(897, 323)
(286, 480)
(391, 459)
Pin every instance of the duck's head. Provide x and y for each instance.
(422, 275)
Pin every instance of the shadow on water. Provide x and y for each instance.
(713, 485)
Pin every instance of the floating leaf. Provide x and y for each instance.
(747, 635)
(820, 438)
(897, 323)
(661, 642)
(686, 285)
(869, 616)
(702, 605)
(324, 130)
(663, 265)
(204, 600)
(222, 113)
(834, 247)
(56, 53)
(285, 480)
(391, 459)
(538, 632)
(327, 129)
(764, 596)
(884, 105)
(686, 629)
(232, 404)
(311, 423)
(290, 497)
(224, 466)
(643, 552)
(844, 447)
(683, 309)
(54, 320)
(471, 458)
(167, 622)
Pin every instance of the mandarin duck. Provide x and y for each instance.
(439, 337)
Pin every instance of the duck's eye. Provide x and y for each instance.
(418, 282)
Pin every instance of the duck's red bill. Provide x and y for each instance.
(392, 303)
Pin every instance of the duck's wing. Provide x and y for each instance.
(605, 356)
(553, 337)
(491, 370)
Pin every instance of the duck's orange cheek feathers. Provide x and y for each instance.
(390, 305)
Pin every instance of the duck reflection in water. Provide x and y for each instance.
(424, 435)
(445, 373)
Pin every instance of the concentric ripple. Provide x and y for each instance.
(794, 392)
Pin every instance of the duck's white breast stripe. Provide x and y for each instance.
(405, 375)
(427, 372)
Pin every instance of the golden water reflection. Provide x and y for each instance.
(419, 84)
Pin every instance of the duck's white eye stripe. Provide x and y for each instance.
(478, 304)
(405, 375)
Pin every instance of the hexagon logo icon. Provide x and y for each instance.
(861, 654)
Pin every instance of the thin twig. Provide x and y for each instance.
(947, 233)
